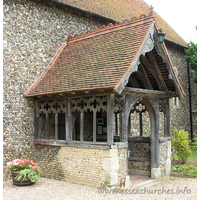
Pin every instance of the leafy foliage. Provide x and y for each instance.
(19, 168)
(191, 57)
(194, 143)
(180, 142)
(148, 133)
(33, 175)
(27, 169)
(184, 169)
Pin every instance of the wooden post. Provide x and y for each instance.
(56, 126)
(125, 118)
(68, 131)
(47, 126)
(129, 125)
(116, 124)
(157, 145)
(36, 121)
(120, 126)
(81, 126)
(94, 125)
(167, 119)
(155, 135)
(141, 130)
(110, 117)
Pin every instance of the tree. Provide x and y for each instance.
(191, 57)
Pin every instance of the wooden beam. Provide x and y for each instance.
(155, 135)
(116, 124)
(124, 120)
(47, 126)
(152, 69)
(133, 81)
(166, 139)
(81, 126)
(146, 91)
(139, 139)
(36, 121)
(68, 121)
(120, 126)
(139, 159)
(145, 77)
(141, 131)
(155, 64)
(167, 119)
(85, 144)
(94, 125)
(129, 125)
(56, 126)
(41, 122)
(110, 117)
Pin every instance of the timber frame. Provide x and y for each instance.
(90, 112)
(145, 86)
(113, 104)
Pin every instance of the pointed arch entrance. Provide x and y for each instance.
(152, 106)
(148, 89)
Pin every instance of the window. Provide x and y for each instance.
(176, 103)
(78, 119)
(51, 120)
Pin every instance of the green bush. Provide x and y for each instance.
(194, 142)
(180, 142)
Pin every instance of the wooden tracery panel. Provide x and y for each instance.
(51, 119)
(48, 106)
(93, 103)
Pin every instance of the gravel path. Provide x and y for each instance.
(46, 189)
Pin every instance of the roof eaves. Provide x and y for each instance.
(121, 84)
(99, 16)
(83, 11)
(174, 43)
(75, 92)
(180, 88)
(111, 28)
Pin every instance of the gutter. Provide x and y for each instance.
(97, 16)
(173, 43)
(190, 103)
(81, 10)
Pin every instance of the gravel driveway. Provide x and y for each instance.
(45, 189)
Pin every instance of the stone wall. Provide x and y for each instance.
(164, 158)
(122, 172)
(146, 124)
(32, 33)
(194, 103)
(181, 117)
(140, 154)
(82, 165)
(93, 167)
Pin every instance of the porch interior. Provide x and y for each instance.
(136, 179)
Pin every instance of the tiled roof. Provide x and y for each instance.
(120, 10)
(97, 60)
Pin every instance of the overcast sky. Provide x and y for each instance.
(181, 15)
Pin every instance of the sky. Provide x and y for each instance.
(181, 15)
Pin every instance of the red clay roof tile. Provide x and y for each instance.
(93, 61)
(98, 60)
(120, 10)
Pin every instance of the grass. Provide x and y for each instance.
(186, 169)
(193, 155)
